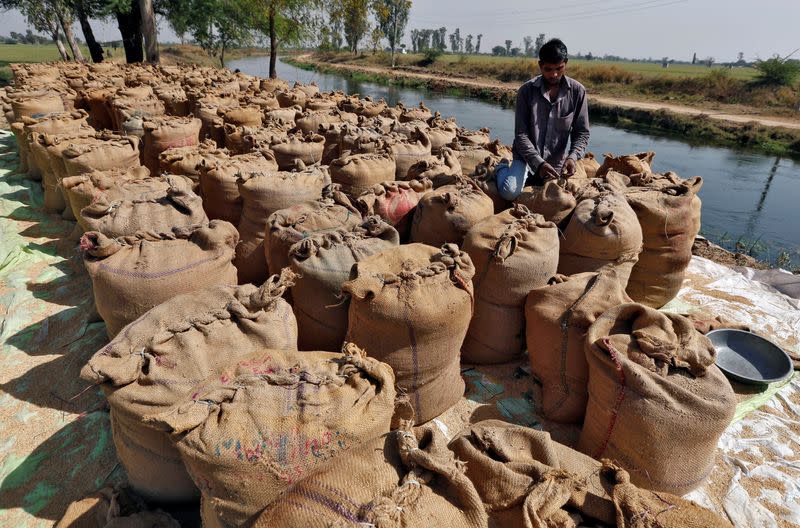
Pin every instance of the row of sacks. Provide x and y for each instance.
(209, 395)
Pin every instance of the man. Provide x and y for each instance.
(551, 112)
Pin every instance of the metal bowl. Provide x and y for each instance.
(749, 358)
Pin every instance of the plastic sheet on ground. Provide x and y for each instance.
(55, 441)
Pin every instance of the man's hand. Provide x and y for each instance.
(569, 167)
(547, 172)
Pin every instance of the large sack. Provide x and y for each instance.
(360, 140)
(418, 113)
(273, 418)
(288, 226)
(116, 507)
(48, 151)
(190, 161)
(310, 121)
(125, 108)
(470, 156)
(556, 319)
(358, 172)
(513, 252)
(36, 104)
(602, 230)
(406, 153)
(397, 480)
(670, 220)
(290, 98)
(114, 152)
(306, 148)
(657, 403)
(485, 175)
(395, 202)
(627, 164)
(442, 170)
(132, 274)
(177, 206)
(410, 306)
(58, 123)
(446, 214)
(263, 194)
(219, 187)
(156, 361)
(552, 200)
(244, 139)
(82, 190)
(164, 133)
(322, 263)
(467, 136)
(100, 116)
(249, 116)
(589, 165)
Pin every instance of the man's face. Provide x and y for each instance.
(552, 73)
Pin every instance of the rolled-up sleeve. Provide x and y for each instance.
(522, 124)
(579, 136)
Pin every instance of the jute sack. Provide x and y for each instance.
(410, 306)
(132, 274)
(99, 110)
(310, 120)
(470, 156)
(290, 98)
(264, 100)
(360, 140)
(243, 139)
(602, 230)
(58, 123)
(410, 151)
(557, 317)
(22, 148)
(486, 177)
(219, 187)
(395, 202)
(263, 194)
(444, 169)
(311, 89)
(419, 113)
(272, 85)
(364, 107)
(467, 136)
(513, 252)
(288, 226)
(177, 206)
(84, 189)
(285, 116)
(627, 164)
(123, 108)
(589, 164)
(48, 149)
(273, 418)
(250, 116)
(319, 102)
(358, 172)
(526, 479)
(447, 213)
(164, 133)
(157, 361)
(322, 263)
(408, 129)
(657, 403)
(189, 161)
(114, 507)
(670, 220)
(112, 152)
(397, 480)
(552, 200)
(36, 104)
(306, 148)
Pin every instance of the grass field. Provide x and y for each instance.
(10, 53)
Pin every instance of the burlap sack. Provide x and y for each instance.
(58, 123)
(132, 274)
(219, 187)
(113, 152)
(36, 104)
(84, 189)
(657, 403)
(410, 151)
(311, 89)
(410, 306)
(243, 139)
(99, 110)
(282, 116)
(418, 113)
(176, 103)
(164, 133)
(358, 172)
(272, 85)
(155, 362)
(513, 252)
(123, 108)
(485, 176)
(322, 263)
(395, 202)
(288, 226)
(408, 129)
(447, 213)
(113, 216)
(360, 140)
(556, 319)
(441, 170)
(306, 148)
(470, 156)
(289, 98)
(250, 116)
(627, 164)
(670, 220)
(310, 120)
(552, 200)
(467, 136)
(22, 148)
(602, 230)
(190, 161)
(114, 507)
(320, 102)
(273, 418)
(525, 478)
(441, 137)
(394, 481)
(589, 164)
(47, 151)
(263, 194)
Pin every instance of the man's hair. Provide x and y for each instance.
(553, 52)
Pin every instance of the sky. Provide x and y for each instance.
(628, 28)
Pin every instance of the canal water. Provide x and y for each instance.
(748, 197)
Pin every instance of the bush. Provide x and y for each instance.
(606, 75)
(777, 72)
(430, 56)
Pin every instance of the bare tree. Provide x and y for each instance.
(508, 47)
(149, 31)
(65, 21)
(478, 43)
(527, 43)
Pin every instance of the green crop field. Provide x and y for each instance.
(10, 53)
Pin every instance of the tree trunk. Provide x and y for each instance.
(222, 55)
(148, 29)
(60, 44)
(130, 28)
(66, 27)
(95, 49)
(273, 44)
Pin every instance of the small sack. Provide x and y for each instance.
(410, 306)
(657, 403)
(273, 418)
(155, 362)
(446, 214)
(115, 507)
(132, 274)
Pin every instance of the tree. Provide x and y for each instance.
(442, 33)
(355, 22)
(777, 71)
(414, 39)
(468, 46)
(43, 16)
(515, 52)
(589, 56)
(709, 61)
(740, 57)
(527, 43)
(540, 40)
(478, 44)
(149, 31)
(129, 21)
(508, 47)
(84, 10)
(375, 39)
(392, 17)
(694, 58)
(499, 50)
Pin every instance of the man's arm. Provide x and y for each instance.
(579, 136)
(522, 121)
